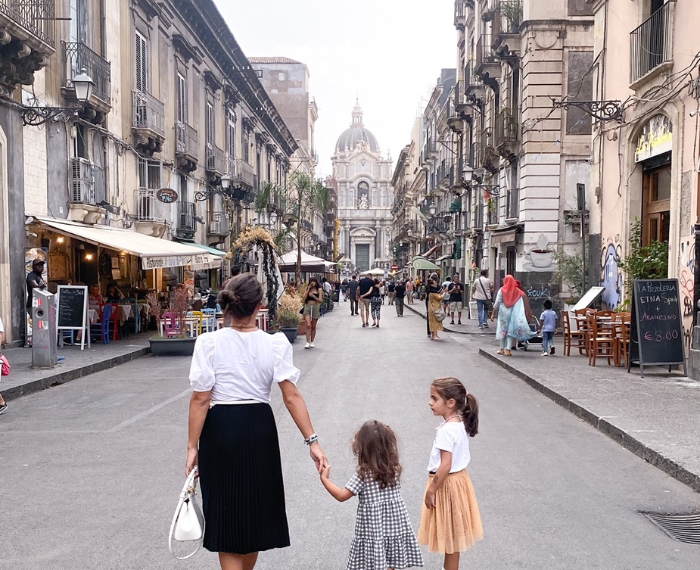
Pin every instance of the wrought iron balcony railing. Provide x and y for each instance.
(149, 208)
(186, 219)
(507, 128)
(244, 174)
(651, 43)
(216, 159)
(149, 113)
(76, 57)
(460, 14)
(35, 16)
(218, 224)
(486, 59)
(187, 140)
(508, 17)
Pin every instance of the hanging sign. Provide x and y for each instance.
(655, 139)
(167, 195)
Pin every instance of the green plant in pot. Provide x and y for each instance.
(289, 316)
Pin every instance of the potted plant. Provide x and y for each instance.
(288, 315)
(179, 344)
(513, 12)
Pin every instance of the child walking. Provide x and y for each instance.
(548, 323)
(384, 538)
(450, 522)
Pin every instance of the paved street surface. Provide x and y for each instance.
(91, 470)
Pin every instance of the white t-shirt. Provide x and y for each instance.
(327, 287)
(2, 329)
(451, 437)
(241, 366)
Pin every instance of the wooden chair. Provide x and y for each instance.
(578, 337)
(621, 334)
(199, 315)
(600, 341)
(101, 330)
(114, 318)
(582, 325)
(135, 318)
(171, 325)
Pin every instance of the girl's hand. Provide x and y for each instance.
(430, 499)
(192, 461)
(326, 472)
(318, 456)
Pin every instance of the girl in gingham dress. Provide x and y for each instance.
(384, 538)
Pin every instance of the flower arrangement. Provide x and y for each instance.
(288, 312)
(154, 307)
(253, 236)
(179, 303)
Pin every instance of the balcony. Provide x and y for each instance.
(216, 161)
(445, 174)
(82, 182)
(651, 44)
(440, 225)
(460, 14)
(506, 28)
(148, 122)
(186, 224)
(27, 40)
(76, 57)
(218, 224)
(507, 133)
(487, 65)
(244, 176)
(187, 147)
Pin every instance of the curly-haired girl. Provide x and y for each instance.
(384, 537)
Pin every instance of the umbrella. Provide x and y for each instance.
(375, 271)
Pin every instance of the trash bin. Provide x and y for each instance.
(44, 334)
(473, 310)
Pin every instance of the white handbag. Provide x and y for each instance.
(188, 521)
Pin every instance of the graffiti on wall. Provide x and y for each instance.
(611, 275)
(686, 280)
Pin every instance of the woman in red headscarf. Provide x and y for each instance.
(512, 322)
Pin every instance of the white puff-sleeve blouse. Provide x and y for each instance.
(241, 366)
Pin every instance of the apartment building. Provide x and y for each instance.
(173, 143)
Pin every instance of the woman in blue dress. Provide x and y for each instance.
(512, 322)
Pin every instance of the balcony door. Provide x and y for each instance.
(78, 21)
(141, 63)
(657, 205)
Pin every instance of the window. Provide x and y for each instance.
(181, 98)
(657, 205)
(78, 21)
(246, 145)
(141, 63)
(231, 133)
(150, 172)
(209, 124)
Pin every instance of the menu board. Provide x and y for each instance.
(656, 337)
(72, 307)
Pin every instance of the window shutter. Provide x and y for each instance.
(181, 99)
(210, 124)
(141, 63)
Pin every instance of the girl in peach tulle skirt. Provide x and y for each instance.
(450, 522)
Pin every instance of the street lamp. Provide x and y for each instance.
(36, 116)
(468, 173)
(225, 182)
(273, 218)
(432, 209)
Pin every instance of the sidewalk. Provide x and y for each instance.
(26, 380)
(656, 417)
(467, 327)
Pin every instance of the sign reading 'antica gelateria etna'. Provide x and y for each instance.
(655, 139)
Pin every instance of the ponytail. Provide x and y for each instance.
(470, 415)
(451, 388)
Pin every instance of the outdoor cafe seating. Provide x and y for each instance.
(598, 335)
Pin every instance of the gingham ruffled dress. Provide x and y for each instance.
(384, 537)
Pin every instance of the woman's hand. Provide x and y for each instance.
(326, 472)
(192, 461)
(319, 457)
(430, 499)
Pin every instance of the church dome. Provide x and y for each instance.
(348, 141)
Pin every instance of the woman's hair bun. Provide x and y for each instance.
(242, 294)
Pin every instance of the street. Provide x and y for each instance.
(90, 471)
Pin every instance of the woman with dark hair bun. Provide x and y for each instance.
(232, 433)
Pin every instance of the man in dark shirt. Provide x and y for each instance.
(35, 281)
(391, 290)
(353, 284)
(399, 294)
(363, 290)
(456, 290)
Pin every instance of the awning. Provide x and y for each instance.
(504, 236)
(309, 263)
(443, 258)
(211, 250)
(155, 253)
(420, 214)
(430, 251)
(421, 264)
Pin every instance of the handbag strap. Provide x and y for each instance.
(481, 283)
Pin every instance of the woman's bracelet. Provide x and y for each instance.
(313, 438)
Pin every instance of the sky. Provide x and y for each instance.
(389, 53)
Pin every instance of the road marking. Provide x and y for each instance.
(148, 412)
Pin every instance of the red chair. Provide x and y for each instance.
(114, 322)
(171, 325)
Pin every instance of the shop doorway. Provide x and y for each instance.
(656, 205)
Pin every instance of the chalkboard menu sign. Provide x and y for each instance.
(656, 337)
(72, 307)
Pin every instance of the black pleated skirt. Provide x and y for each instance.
(241, 480)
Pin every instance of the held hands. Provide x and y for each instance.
(326, 472)
(430, 499)
(319, 457)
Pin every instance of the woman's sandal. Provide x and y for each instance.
(501, 352)
(509, 353)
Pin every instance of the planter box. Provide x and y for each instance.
(172, 346)
(290, 333)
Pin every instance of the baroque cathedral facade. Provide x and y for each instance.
(365, 197)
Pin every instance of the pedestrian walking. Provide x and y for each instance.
(377, 301)
(433, 304)
(456, 291)
(353, 284)
(382, 289)
(232, 432)
(482, 293)
(3, 403)
(512, 323)
(548, 326)
(344, 289)
(409, 290)
(399, 296)
(313, 298)
(384, 536)
(327, 293)
(364, 291)
(446, 295)
(450, 520)
(391, 291)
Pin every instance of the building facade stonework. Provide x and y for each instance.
(365, 198)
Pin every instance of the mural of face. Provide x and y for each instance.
(612, 279)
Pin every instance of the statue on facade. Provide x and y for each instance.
(363, 203)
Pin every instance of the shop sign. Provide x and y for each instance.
(167, 195)
(199, 261)
(655, 139)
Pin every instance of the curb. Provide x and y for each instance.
(445, 328)
(618, 435)
(69, 375)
